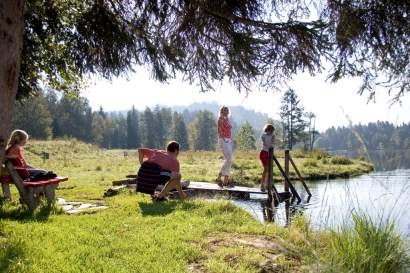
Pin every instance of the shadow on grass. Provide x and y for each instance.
(12, 252)
(165, 208)
(12, 211)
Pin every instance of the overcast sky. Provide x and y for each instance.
(328, 101)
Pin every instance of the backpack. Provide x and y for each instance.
(148, 177)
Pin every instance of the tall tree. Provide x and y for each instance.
(291, 114)
(311, 125)
(179, 131)
(147, 129)
(167, 122)
(204, 40)
(203, 131)
(133, 136)
(246, 137)
(33, 116)
(159, 128)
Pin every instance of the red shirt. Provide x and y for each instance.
(165, 160)
(19, 161)
(224, 127)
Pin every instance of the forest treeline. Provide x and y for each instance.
(385, 144)
(57, 115)
(54, 115)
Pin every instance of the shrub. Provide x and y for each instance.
(309, 163)
(318, 154)
(368, 247)
(341, 160)
(325, 161)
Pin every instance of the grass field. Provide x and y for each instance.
(136, 235)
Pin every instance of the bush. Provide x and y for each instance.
(325, 161)
(318, 154)
(341, 160)
(309, 163)
(368, 247)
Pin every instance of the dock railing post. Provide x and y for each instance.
(300, 176)
(286, 169)
(273, 197)
(270, 175)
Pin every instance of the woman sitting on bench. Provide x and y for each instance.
(14, 153)
(168, 171)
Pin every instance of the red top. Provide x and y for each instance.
(224, 127)
(165, 160)
(18, 161)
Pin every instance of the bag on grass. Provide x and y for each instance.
(148, 177)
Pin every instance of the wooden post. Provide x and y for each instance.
(270, 175)
(300, 176)
(286, 169)
(292, 189)
(6, 190)
(26, 194)
(272, 192)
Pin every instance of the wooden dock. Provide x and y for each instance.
(211, 188)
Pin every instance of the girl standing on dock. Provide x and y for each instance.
(268, 140)
(226, 142)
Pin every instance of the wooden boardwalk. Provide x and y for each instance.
(207, 187)
(211, 189)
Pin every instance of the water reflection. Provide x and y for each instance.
(381, 195)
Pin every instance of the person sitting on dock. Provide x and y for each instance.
(268, 140)
(169, 173)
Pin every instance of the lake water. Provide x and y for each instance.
(381, 195)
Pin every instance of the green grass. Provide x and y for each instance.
(368, 247)
(136, 235)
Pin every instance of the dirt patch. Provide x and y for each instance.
(271, 249)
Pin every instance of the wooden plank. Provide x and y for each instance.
(273, 194)
(124, 182)
(292, 188)
(6, 191)
(300, 177)
(203, 186)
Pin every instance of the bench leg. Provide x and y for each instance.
(6, 191)
(30, 200)
(50, 193)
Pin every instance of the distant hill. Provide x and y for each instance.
(239, 114)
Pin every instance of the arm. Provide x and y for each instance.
(144, 153)
(12, 153)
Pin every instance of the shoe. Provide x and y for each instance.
(219, 183)
(230, 185)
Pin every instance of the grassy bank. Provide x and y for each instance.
(136, 235)
(108, 165)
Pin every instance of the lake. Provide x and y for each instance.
(381, 195)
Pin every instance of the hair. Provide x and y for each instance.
(16, 137)
(268, 127)
(223, 108)
(173, 147)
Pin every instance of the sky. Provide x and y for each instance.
(331, 103)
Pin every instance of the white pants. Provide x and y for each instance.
(227, 150)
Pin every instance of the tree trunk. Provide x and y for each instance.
(11, 43)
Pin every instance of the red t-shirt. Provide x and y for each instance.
(224, 128)
(19, 161)
(165, 160)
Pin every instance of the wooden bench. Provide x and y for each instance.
(30, 192)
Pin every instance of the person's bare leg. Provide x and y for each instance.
(182, 195)
(174, 182)
(226, 180)
(263, 180)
